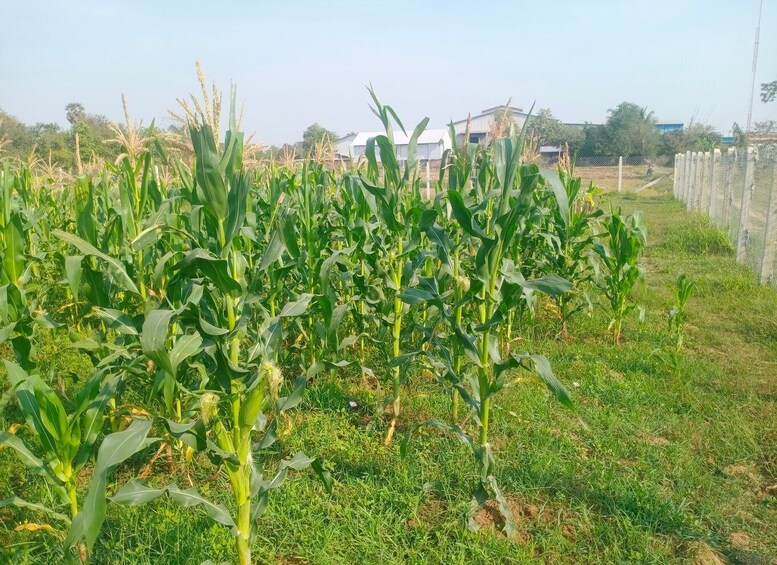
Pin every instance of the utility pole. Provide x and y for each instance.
(755, 64)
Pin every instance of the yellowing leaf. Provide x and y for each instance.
(31, 527)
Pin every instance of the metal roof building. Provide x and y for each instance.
(431, 144)
(480, 125)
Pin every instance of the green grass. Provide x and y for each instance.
(651, 462)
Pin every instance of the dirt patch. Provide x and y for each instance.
(490, 518)
(742, 471)
(658, 441)
(739, 541)
(613, 374)
(736, 470)
(428, 513)
(527, 515)
(702, 554)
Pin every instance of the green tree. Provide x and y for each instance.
(315, 134)
(93, 131)
(696, 137)
(16, 140)
(740, 135)
(75, 112)
(50, 141)
(768, 91)
(767, 126)
(631, 130)
(544, 128)
(594, 141)
(548, 130)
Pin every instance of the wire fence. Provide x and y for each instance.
(737, 189)
(628, 173)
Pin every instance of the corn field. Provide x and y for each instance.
(207, 293)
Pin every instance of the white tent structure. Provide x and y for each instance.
(431, 144)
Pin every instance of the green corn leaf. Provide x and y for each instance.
(192, 433)
(552, 285)
(413, 143)
(153, 338)
(216, 270)
(114, 266)
(208, 171)
(21, 503)
(73, 273)
(14, 257)
(115, 449)
(237, 199)
(94, 412)
(297, 307)
(135, 493)
(541, 367)
(118, 321)
(27, 457)
(25, 387)
(289, 402)
(562, 199)
(288, 229)
(186, 346)
(272, 252)
(52, 413)
(147, 237)
(464, 217)
(323, 474)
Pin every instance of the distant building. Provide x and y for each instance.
(480, 125)
(667, 127)
(551, 150)
(431, 144)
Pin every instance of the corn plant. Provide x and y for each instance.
(452, 244)
(496, 287)
(571, 243)
(65, 441)
(620, 256)
(397, 257)
(684, 287)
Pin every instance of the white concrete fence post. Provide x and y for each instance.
(704, 193)
(620, 173)
(678, 167)
(714, 184)
(743, 234)
(689, 176)
(728, 186)
(674, 174)
(680, 175)
(687, 181)
(770, 232)
(694, 181)
(699, 181)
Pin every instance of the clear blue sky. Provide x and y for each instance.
(299, 62)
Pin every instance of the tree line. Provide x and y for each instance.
(629, 130)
